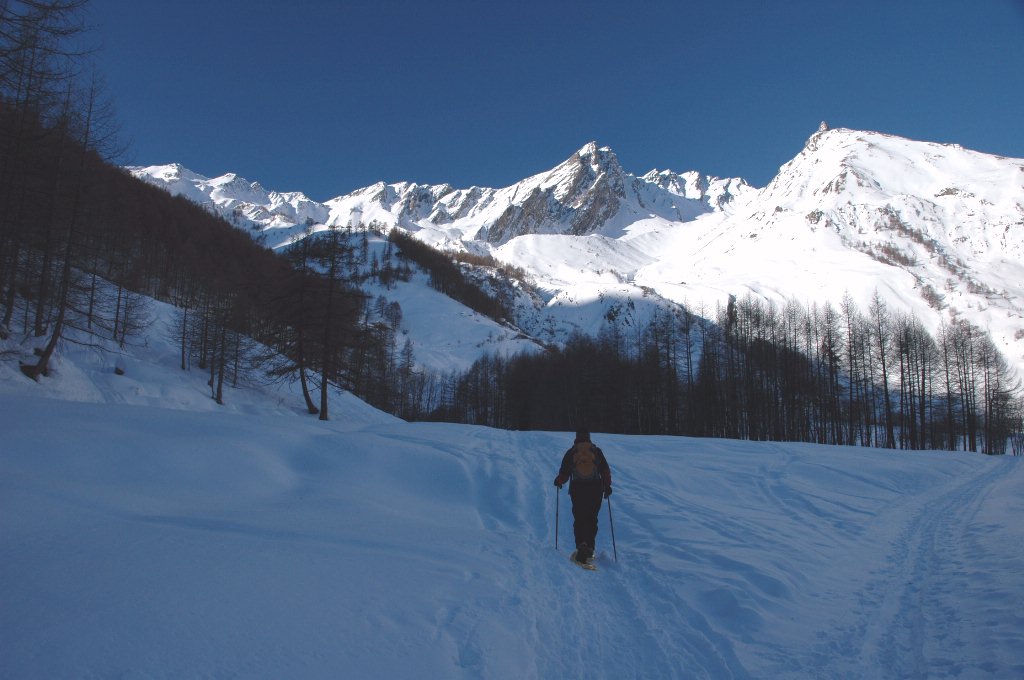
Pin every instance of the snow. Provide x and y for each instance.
(446, 336)
(819, 231)
(147, 532)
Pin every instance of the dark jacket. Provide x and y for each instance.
(565, 472)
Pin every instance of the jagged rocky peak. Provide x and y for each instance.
(692, 184)
(601, 160)
(812, 141)
(375, 192)
(590, 169)
(576, 197)
(418, 201)
(171, 172)
(598, 157)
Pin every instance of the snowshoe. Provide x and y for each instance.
(584, 557)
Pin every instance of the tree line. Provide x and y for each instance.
(83, 244)
(761, 371)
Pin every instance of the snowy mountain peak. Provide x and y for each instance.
(170, 172)
(840, 166)
(597, 157)
(937, 228)
(588, 167)
(692, 185)
(941, 226)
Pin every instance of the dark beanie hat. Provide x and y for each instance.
(582, 436)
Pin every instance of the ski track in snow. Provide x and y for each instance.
(241, 546)
(633, 607)
(905, 616)
(913, 612)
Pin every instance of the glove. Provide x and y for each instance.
(607, 491)
(557, 484)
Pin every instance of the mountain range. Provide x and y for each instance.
(936, 230)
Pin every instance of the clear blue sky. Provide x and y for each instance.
(329, 96)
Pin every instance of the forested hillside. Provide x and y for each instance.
(83, 244)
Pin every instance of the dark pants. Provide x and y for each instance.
(586, 503)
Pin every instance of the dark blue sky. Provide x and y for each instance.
(326, 97)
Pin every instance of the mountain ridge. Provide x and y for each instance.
(936, 229)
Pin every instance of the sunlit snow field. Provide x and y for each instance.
(249, 541)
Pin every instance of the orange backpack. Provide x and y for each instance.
(584, 462)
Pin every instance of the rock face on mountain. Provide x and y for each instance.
(588, 193)
(578, 197)
(936, 229)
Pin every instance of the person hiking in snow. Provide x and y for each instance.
(586, 469)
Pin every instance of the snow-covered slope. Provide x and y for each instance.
(83, 370)
(937, 230)
(942, 226)
(243, 203)
(141, 541)
(445, 335)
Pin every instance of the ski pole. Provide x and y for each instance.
(558, 497)
(611, 523)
